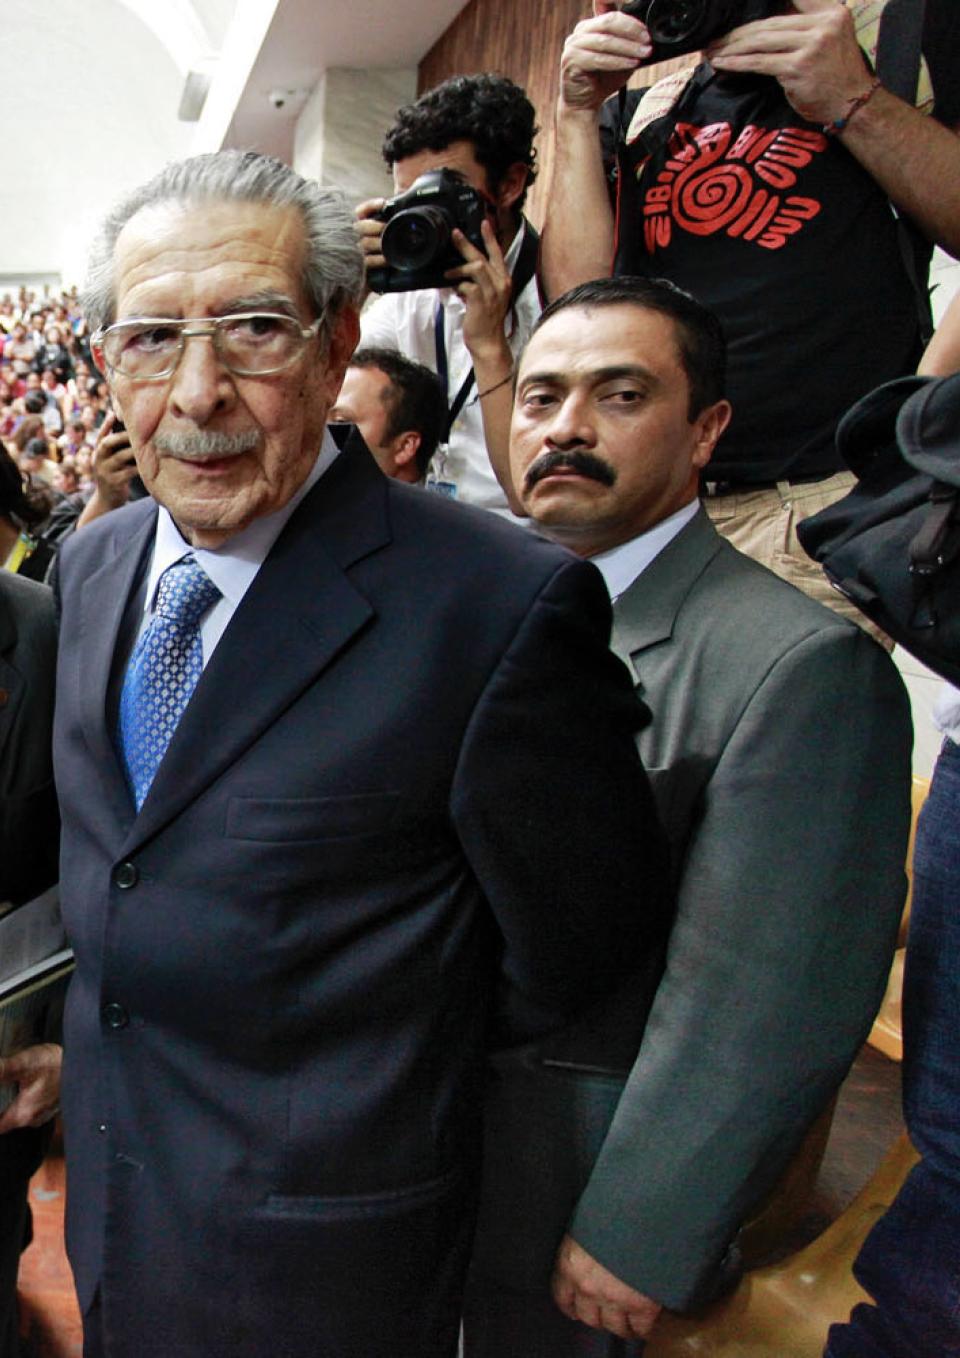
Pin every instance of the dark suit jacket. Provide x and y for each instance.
(29, 825)
(28, 808)
(408, 767)
(779, 754)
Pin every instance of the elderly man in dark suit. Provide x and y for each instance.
(348, 783)
(29, 841)
(779, 754)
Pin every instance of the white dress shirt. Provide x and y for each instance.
(621, 565)
(405, 321)
(946, 712)
(233, 566)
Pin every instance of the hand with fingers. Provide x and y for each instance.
(36, 1073)
(483, 282)
(586, 1291)
(599, 57)
(114, 468)
(369, 231)
(113, 463)
(813, 52)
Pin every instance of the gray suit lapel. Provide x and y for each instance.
(645, 613)
(298, 614)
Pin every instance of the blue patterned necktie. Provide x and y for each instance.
(163, 671)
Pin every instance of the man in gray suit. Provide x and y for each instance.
(779, 753)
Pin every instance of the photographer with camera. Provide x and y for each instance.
(762, 181)
(454, 259)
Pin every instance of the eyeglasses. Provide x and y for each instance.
(248, 343)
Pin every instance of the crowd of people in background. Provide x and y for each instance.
(52, 404)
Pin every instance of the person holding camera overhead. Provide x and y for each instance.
(761, 181)
(454, 259)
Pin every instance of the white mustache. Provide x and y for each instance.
(206, 443)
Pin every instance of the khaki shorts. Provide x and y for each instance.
(763, 524)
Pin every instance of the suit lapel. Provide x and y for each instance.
(298, 614)
(645, 613)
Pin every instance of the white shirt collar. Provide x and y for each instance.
(233, 566)
(621, 565)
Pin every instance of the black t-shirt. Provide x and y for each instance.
(779, 229)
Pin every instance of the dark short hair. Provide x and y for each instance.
(36, 448)
(34, 402)
(488, 110)
(415, 398)
(700, 339)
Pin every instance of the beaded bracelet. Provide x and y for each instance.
(836, 127)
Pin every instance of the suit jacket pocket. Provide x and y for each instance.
(288, 819)
(360, 1206)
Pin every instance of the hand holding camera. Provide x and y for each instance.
(676, 27)
(813, 52)
(408, 241)
(599, 57)
(483, 281)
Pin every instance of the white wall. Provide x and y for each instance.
(90, 100)
(339, 133)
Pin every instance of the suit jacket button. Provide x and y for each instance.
(115, 1016)
(125, 875)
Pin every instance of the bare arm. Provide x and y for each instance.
(485, 285)
(598, 59)
(815, 56)
(942, 355)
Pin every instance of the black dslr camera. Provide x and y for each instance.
(679, 26)
(416, 241)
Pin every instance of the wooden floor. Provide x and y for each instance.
(866, 1122)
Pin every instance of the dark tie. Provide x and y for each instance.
(163, 672)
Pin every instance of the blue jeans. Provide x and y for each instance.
(910, 1261)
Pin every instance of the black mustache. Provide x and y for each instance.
(585, 464)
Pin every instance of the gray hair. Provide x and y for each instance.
(333, 273)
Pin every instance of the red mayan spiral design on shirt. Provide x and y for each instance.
(711, 183)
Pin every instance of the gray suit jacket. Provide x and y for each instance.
(779, 754)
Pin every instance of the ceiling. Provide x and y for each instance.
(307, 37)
(92, 92)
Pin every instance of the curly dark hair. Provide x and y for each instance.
(488, 110)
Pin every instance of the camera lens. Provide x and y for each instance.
(412, 239)
(673, 21)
